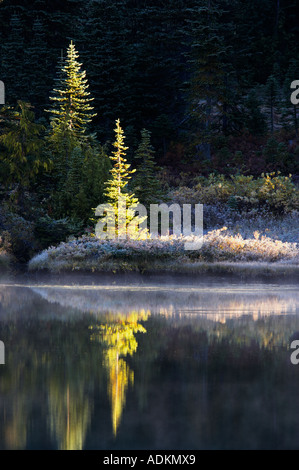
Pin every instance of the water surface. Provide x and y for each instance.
(148, 363)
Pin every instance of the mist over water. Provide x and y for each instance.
(137, 362)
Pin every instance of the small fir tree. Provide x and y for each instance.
(116, 189)
(146, 185)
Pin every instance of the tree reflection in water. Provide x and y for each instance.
(212, 370)
(118, 337)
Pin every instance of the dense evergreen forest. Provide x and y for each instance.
(200, 87)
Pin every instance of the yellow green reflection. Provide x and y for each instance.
(69, 415)
(117, 335)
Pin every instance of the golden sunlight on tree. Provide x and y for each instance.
(122, 219)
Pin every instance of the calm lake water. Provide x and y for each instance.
(148, 363)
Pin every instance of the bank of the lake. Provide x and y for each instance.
(218, 253)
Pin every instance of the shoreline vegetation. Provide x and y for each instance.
(243, 235)
(56, 176)
(221, 253)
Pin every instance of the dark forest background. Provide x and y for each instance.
(145, 60)
(209, 81)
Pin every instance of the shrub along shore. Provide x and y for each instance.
(249, 225)
(220, 252)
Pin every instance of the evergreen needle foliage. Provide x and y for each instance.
(116, 187)
(120, 172)
(71, 100)
(80, 163)
(146, 185)
(23, 145)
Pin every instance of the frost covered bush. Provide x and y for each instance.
(89, 253)
(260, 219)
(216, 216)
(284, 228)
(92, 248)
(219, 245)
(269, 204)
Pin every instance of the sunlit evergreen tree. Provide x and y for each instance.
(74, 150)
(117, 190)
(71, 109)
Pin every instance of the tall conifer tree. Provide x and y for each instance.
(73, 149)
(71, 100)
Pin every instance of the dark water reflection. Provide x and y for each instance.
(151, 365)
